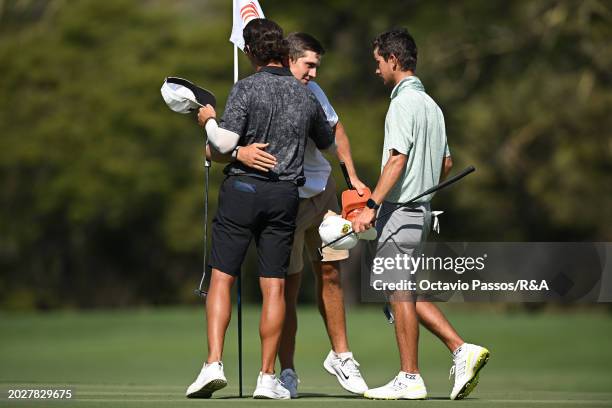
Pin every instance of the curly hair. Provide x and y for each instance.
(265, 42)
(400, 43)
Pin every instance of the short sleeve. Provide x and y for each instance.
(321, 132)
(330, 113)
(400, 132)
(447, 152)
(235, 116)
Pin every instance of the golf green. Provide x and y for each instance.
(148, 357)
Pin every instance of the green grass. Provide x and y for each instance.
(148, 357)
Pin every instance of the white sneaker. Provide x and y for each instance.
(468, 360)
(210, 379)
(404, 386)
(268, 386)
(290, 381)
(346, 370)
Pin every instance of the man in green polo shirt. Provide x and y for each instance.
(415, 158)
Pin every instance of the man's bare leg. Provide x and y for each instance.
(407, 334)
(330, 300)
(218, 312)
(434, 320)
(408, 383)
(286, 350)
(272, 318)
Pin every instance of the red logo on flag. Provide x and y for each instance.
(249, 12)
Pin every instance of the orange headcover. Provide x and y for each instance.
(352, 203)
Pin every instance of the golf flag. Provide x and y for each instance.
(244, 11)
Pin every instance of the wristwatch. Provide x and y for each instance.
(235, 153)
(372, 204)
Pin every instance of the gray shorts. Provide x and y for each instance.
(401, 235)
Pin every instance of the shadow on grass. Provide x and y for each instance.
(303, 395)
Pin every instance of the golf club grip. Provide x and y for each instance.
(346, 176)
(435, 188)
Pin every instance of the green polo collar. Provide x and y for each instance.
(412, 82)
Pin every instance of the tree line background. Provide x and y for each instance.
(101, 186)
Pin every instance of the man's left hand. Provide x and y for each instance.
(358, 185)
(364, 220)
(205, 113)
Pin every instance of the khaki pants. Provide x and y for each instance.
(310, 215)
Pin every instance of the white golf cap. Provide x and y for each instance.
(334, 227)
(182, 96)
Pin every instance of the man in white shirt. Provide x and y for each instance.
(317, 197)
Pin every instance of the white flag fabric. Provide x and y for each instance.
(244, 11)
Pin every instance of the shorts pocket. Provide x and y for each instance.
(244, 186)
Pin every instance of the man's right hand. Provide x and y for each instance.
(254, 156)
(205, 113)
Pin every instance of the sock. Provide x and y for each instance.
(345, 355)
(458, 350)
(408, 376)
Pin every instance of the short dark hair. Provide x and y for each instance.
(299, 43)
(400, 43)
(265, 41)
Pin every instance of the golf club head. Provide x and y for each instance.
(200, 293)
(388, 313)
(183, 96)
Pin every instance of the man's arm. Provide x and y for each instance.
(321, 132)
(225, 135)
(447, 165)
(221, 139)
(252, 155)
(343, 147)
(391, 173)
(343, 152)
(214, 155)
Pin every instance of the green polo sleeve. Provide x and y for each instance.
(400, 129)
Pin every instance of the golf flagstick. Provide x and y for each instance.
(435, 188)
(239, 284)
(239, 307)
(243, 11)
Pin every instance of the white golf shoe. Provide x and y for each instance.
(404, 386)
(346, 370)
(270, 387)
(468, 360)
(290, 381)
(210, 379)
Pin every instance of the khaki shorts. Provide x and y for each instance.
(310, 215)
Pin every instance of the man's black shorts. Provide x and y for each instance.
(254, 208)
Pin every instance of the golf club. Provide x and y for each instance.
(346, 176)
(431, 190)
(183, 96)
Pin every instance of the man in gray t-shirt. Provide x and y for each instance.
(273, 107)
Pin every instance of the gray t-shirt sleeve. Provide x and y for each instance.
(235, 116)
(321, 132)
